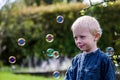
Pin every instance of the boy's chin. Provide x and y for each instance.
(84, 50)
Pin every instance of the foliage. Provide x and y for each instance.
(1, 64)
(45, 2)
(109, 20)
(34, 26)
(34, 23)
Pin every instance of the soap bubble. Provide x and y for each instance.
(12, 59)
(21, 41)
(56, 74)
(109, 51)
(50, 52)
(55, 54)
(60, 19)
(49, 38)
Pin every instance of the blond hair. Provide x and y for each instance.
(89, 22)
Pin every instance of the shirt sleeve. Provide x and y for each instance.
(108, 69)
(71, 72)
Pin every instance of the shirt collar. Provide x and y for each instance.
(92, 53)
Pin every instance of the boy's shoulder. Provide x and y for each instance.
(103, 55)
(99, 53)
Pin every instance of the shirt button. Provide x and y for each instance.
(81, 78)
(83, 67)
(82, 75)
(83, 64)
(84, 61)
(82, 71)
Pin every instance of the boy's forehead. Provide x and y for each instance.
(81, 31)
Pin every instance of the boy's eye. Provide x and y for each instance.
(75, 38)
(82, 36)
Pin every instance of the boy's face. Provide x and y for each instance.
(84, 40)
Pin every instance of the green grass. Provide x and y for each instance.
(11, 76)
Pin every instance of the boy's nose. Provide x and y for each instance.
(78, 41)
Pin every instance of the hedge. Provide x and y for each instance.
(34, 23)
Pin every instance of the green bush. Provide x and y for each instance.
(34, 23)
(1, 64)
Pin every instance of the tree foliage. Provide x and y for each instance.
(34, 23)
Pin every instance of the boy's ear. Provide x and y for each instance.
(97, 36)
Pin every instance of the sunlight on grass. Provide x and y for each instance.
(11, 76)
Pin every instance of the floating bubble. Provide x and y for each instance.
(56, 74)
(49, 38)
(50, 52)
(21, 41)
(60, 19)
(109, 51)
(12, 59)
(55, 54)
(82, 12)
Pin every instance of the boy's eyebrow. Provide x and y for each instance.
(78, 35)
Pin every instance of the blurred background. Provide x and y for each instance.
(36, 39)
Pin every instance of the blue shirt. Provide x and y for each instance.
(93, 66)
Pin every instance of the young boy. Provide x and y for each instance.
(92, 63)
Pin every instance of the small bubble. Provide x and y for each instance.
(12, 59)
(109, 51)
(60, 19)
(56, 74)
(55, 54)
(49, 38)
(21, 41)
(50, 52)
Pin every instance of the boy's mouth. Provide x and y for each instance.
(80, 46)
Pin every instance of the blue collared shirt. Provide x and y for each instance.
(93, 66)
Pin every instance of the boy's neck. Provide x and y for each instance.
(87, 52)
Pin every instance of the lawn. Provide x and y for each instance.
(10, 76)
